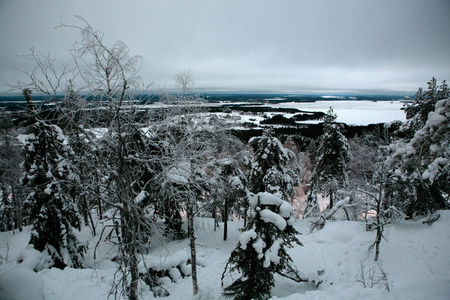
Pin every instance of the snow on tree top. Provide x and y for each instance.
(269, 216)
(266, 198)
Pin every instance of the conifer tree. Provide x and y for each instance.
(330, 171)
(50, 178)
(261, 251)
(268, 170)
(420, 162)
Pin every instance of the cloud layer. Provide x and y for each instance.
(299, 46)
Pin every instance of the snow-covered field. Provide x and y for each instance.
(415, 256)
(354, 112)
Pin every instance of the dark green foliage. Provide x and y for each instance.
(330, 171)
(268, 173)
(264, 252)
(254, 266)
(424, 103)
(279, 119)
(48, 175)
(256, 281)
(420, 164)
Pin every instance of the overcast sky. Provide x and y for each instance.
(282, 45)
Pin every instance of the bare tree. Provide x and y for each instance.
(47, 76)
(110, 73)
(188, 150)
(184, 80)
(376, 201)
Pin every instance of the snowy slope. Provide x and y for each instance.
(415, 257)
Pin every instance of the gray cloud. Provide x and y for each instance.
(299, 46)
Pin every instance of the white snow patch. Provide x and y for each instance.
(141, 196)
(245, 237)
(269, 216)
(21, 284)
(271, 255)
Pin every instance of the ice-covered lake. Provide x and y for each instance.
(353, 111)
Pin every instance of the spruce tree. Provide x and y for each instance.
(330, 171)
(261, 251)
(420, 162)
(50, 178)
(268, 169)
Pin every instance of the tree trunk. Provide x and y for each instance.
(192, 245)
(130, 251)
(379, 221)
(17, 208)
(225, 220)
(92, 225)
(331, 199)
(378, 241)
(85, 210)
(214, 216)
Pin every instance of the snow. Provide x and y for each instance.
(159, 263)
(414, 255)
(434, 168)
(353, 112)
(259, 245)
(141, 196)
(235, 181)
(245, 237)
(33, 260)
(266, 198)
(179, 174)
(271, 255)
(269, 216)
(21, 284)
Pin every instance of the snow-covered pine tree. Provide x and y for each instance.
(330, 172)
(261, 251)
(50, 178)
(426, 161)
(424, 102)
(268, 170)
(421, 160)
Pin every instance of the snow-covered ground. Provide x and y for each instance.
(415, 256)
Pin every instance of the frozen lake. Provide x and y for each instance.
(354, 112)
